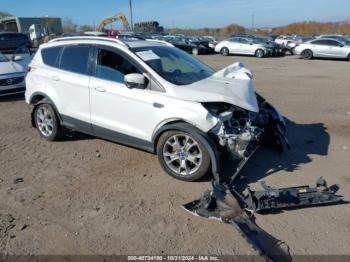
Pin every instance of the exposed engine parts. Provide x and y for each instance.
(241, 132)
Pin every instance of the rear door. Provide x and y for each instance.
(336, 49)
(246, 47)
(70, 78)
(319, 48)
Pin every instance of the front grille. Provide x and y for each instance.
(11, 81)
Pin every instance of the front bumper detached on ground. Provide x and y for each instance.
(225, 204)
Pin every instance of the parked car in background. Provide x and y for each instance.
(336, 37)
(130, 36)
(95, 33)
(11, 41)
(290, 40)
(324, 48)
(277, 49)
(152, 96)
(243, 46)
(192, 46)
(13, 71)
(212, 41)
(113, 33)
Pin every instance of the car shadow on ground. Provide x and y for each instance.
(305, 139)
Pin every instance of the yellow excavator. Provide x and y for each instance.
(112, 19)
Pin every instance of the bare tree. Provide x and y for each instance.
(68, 25)
(85, 28)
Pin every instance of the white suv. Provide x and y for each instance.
(152, 96)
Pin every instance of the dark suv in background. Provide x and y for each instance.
(11, 41)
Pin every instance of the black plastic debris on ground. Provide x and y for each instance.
(227, 205)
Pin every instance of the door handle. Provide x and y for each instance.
(100, 89)
(55, 78)
(157, 105)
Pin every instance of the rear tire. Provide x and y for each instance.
(47, 122)
(224, 51)
(349, 57)
(307, 54)
(183, 156)
(259, 53)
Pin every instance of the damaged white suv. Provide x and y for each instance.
(153, 96)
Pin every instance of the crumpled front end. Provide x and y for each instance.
(241, 132)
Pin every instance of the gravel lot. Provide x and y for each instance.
(87, 196)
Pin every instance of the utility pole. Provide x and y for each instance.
(253, 21)
(131, 16)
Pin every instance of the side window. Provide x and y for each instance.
(333, 43)
(75, 59)
(112, 66)
(243, 41)
(318, 42)
(50, 55)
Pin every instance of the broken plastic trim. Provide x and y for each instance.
(221, 205)
(272, 199)
(228, 206)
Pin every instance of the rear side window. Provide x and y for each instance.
(333, 43)
(75, 59)
(320, 42)
(50, 55)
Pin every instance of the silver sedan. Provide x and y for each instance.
(324, 48)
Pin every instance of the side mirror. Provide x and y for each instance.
(341, 45)
(135, 81)
(17, 58)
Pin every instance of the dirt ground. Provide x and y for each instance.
(87, 196)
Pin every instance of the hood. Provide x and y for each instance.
(232, 85)
(11, 68)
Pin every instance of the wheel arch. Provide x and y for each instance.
(39, 98)
(181, 125)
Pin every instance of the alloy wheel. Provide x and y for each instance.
(182, 154)
(45, 121)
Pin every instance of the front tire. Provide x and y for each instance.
(195, 51)
(259, 53)
(47, 122)
(307, 54)
(224, 51)
(183, 156)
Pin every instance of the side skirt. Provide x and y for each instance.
(107, 134)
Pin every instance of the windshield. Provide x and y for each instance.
(174, 65)
(3, 58)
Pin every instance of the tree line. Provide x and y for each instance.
(308, 28)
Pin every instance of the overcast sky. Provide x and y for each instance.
(188, 13)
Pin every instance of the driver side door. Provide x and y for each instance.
(118, 113)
